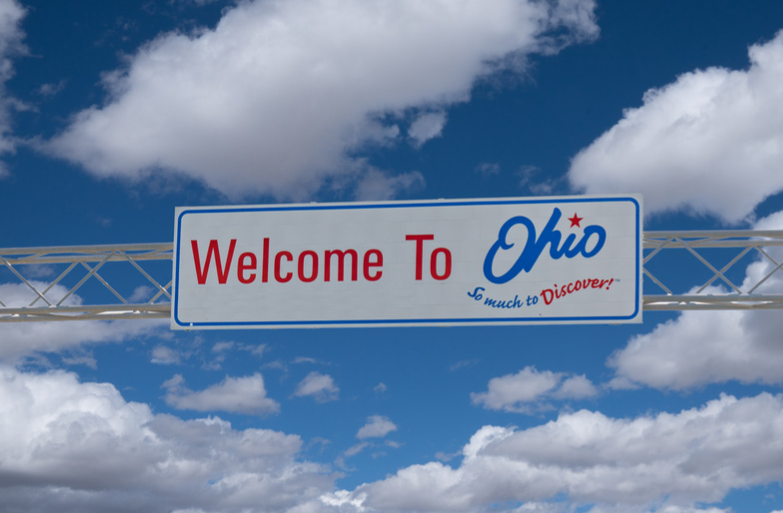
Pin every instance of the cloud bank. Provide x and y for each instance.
(528, 389)
(668, 462)
(71, 446)
(281, 94)
(136, 460)
(711, 141)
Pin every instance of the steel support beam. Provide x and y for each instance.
(78, 269)
(735, 249)
(117, 281)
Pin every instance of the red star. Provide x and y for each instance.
(575, 220)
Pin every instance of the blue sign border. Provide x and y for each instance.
(486, 321)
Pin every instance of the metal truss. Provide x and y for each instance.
(129, 281)
(716, 275)
(687, 270)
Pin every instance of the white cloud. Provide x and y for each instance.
(282, 95)
(11, 13)
(319, 386)
(426, 127)
(664, 463)
(23, 339)
(487, 169)
(141, 294)
(164, 355)
(257, 350)
(11, 35)
(86, 359)
(375, 185)
(51, 90)
(356, 449)
(698, 348)
(377, 426)
(524, 390)
(711, 141)
(221, 347)
(19, 294)
(464, 363)
(575, 387)
(668, 463)
(536, 181)
(236, 395)
(219, 352)
(82, 447)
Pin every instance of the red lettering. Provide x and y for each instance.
(265, 258)
(242, 267)
(561, 291)
(419, 250)
(288, 256)
(376, 262)
(434, 263)
(222, 268)
(304, 265)
(301, 266)
(341, 264)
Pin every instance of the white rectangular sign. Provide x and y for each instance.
(449, 262)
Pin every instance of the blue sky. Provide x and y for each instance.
(114, 113)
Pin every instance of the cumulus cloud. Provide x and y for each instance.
(426, 127)
(698, 348)
(281, 95)
(667, 462)
(711, 141)
(236, 395)
(377, 426)
(525, 390)
(138, 461)
(319, 386)
(11, 35)
(82, 447)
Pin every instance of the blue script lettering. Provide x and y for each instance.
(496, 303)
(476, 294)
(534, 246)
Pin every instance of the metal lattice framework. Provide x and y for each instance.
(126, 281)
(81, 266)
(736, 249)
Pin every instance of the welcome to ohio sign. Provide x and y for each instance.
(450, 262)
